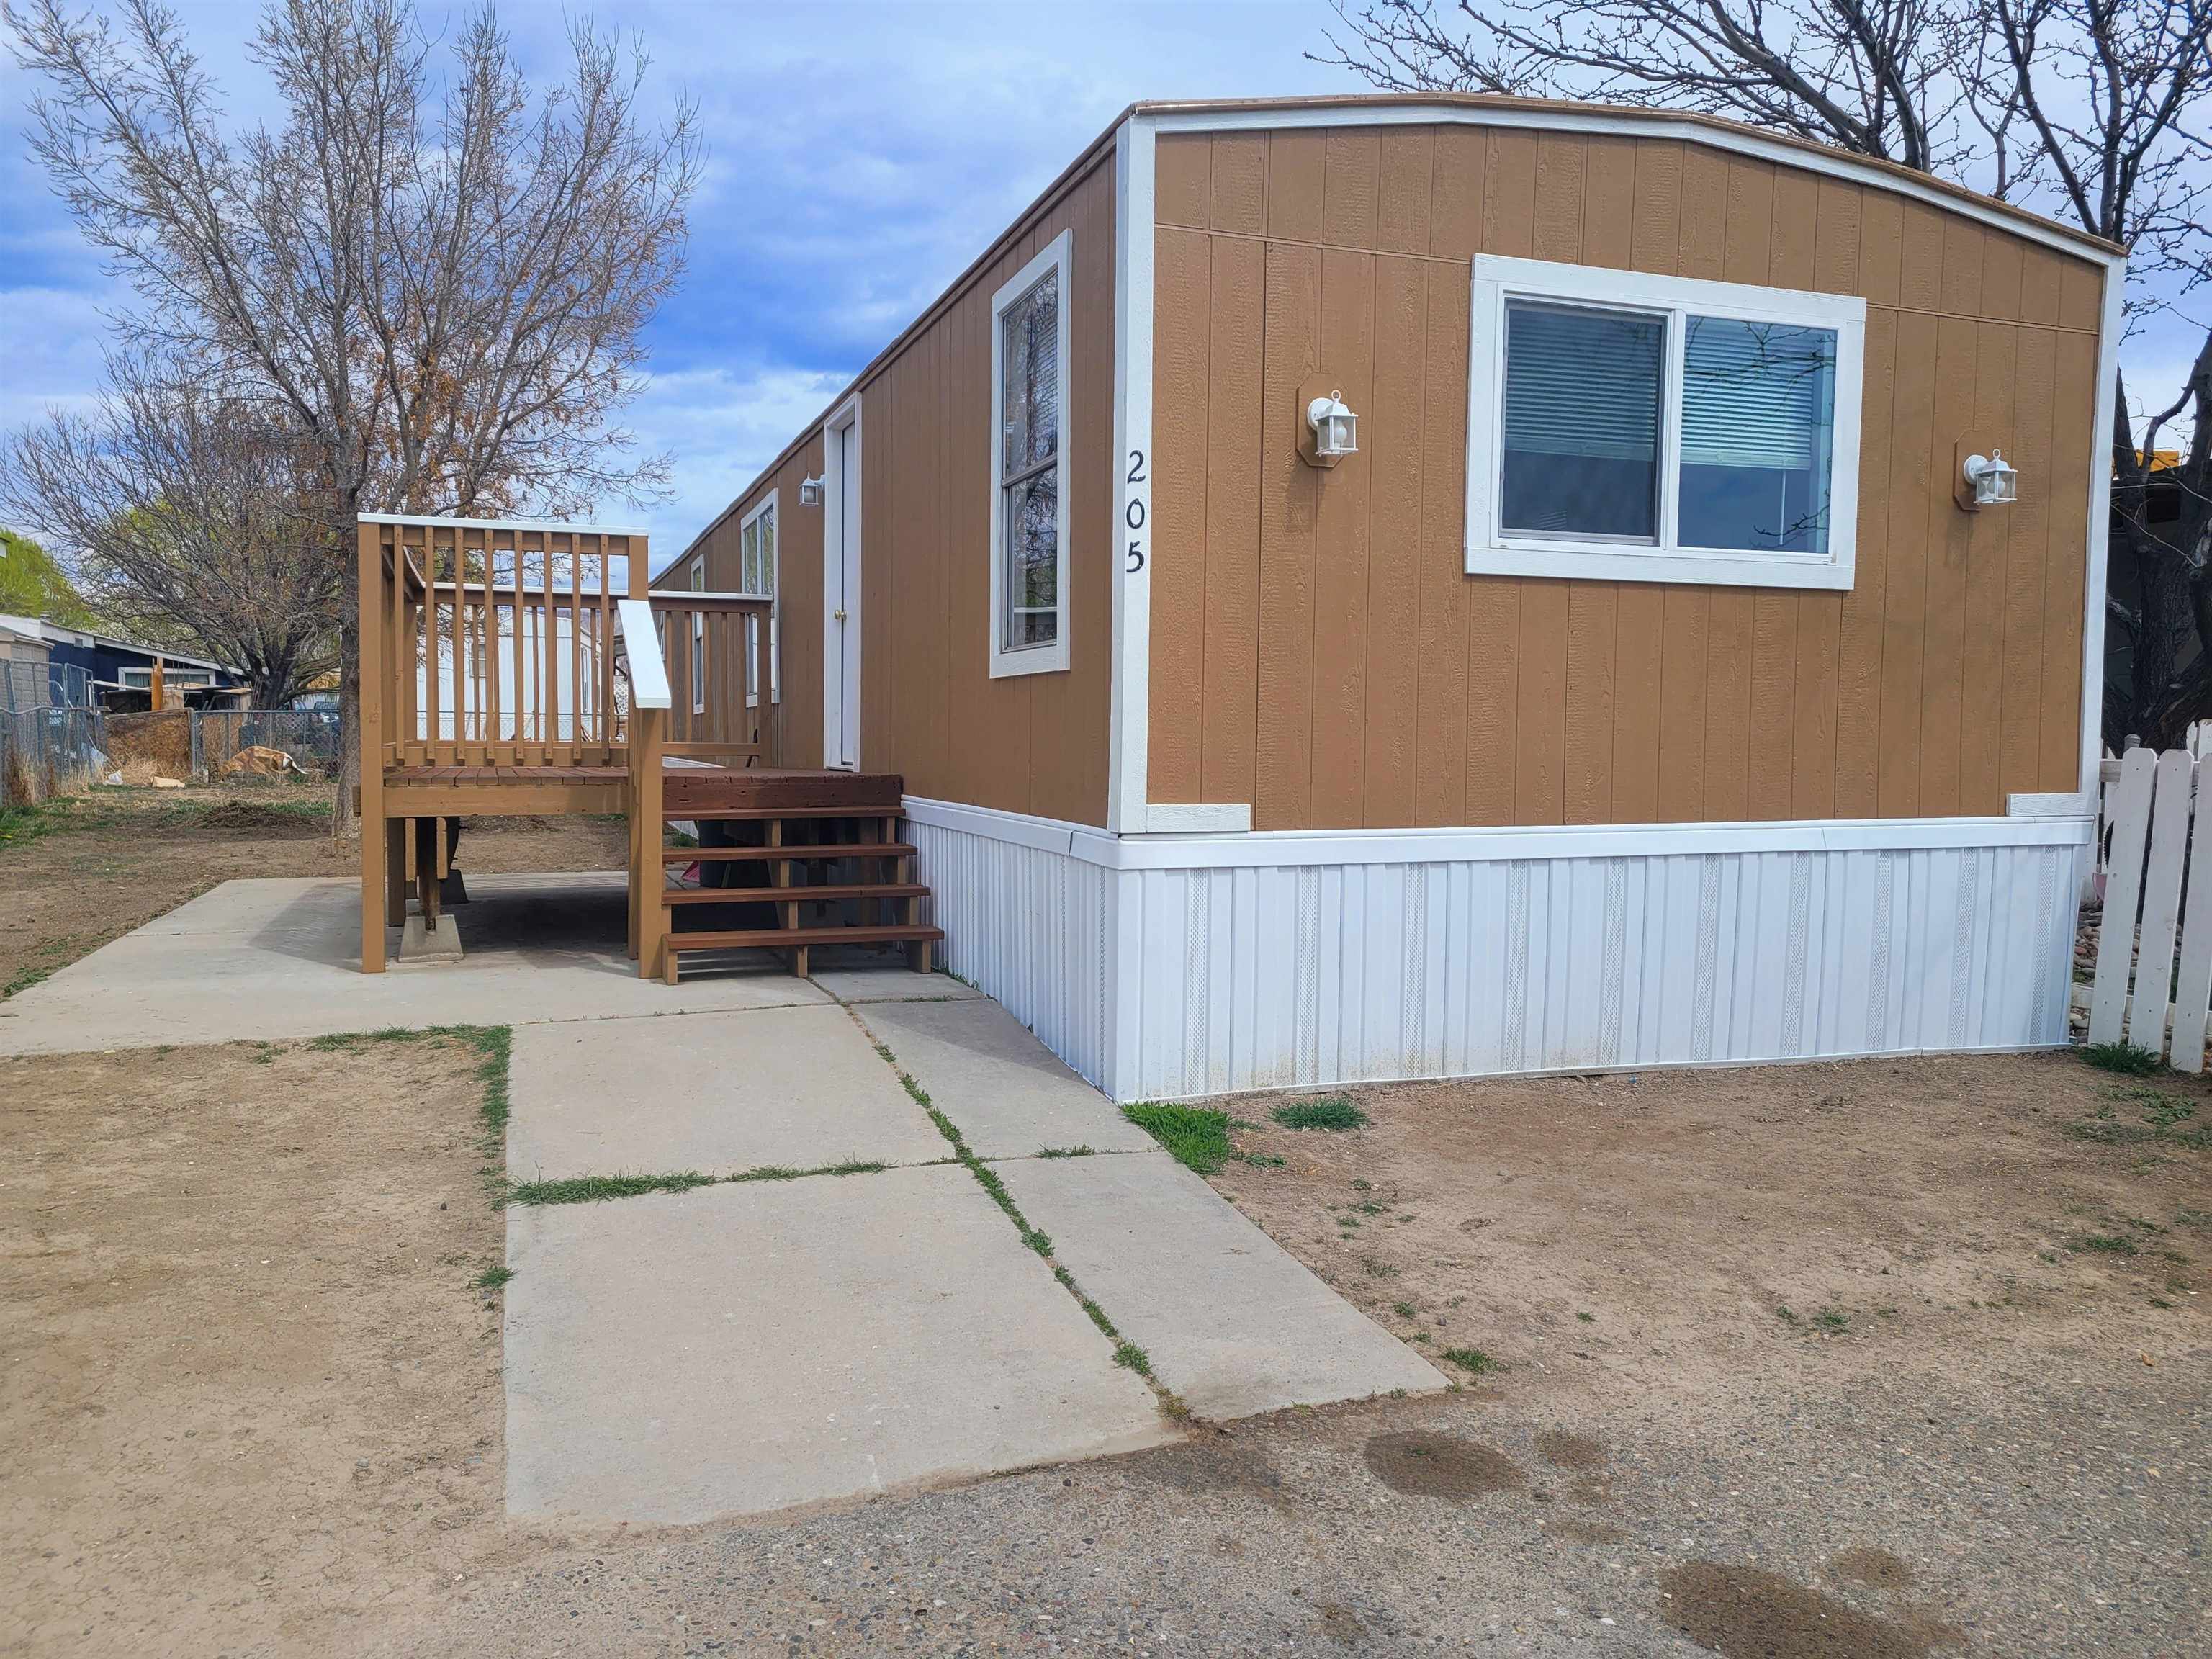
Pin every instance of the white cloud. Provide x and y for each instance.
(721, 429)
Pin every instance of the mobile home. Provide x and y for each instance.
(1415, 587)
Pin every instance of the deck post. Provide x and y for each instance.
(636, 868)
(395, 872)
(369, 743)
(646, 736)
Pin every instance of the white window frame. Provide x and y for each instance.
(698, 663)
(764, 508)
(1493, 550)
(1034, 659)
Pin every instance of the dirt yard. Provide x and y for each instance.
(253, 1380)
(81, 871)
(253, 1403)
(1674, 1236)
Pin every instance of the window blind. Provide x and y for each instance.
(1758, 395)
(1582, 382)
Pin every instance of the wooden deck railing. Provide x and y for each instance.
(495, 641)
(489, 643)
(717, 649)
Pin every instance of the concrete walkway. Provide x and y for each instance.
(846, 1309)
(280, 959)
(764, 1342)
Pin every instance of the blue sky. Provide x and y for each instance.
(858, 156)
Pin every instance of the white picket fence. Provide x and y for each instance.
(2154, 980)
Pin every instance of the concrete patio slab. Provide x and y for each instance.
(277, 959)
(1232, 1323)
(743, 1349)
(1011, 1095)
(799, 1087)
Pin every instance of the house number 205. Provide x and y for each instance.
(1134, 515)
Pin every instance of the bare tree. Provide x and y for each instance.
(439, 288)
(194, 513)
(2092, 104)
(1866, 75)
(2083, 109)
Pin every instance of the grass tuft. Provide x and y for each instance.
(2103, 1243)
(1068, 1152)
(592, 1189)
(2124, 1058)
(1129, 1353)
(1473, 1361)
(1330, 1112)
(492, 1277)
(24, 981)
(1197, 1137)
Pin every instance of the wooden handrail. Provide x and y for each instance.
(690, 600)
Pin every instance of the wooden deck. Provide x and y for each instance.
(507, 670)
(688, 789)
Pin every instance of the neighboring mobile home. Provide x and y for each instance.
(1647, 686)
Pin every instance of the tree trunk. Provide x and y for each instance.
(349, 755)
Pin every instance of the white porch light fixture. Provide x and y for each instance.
(1335, 430)
(809, 492)
(1991, 481)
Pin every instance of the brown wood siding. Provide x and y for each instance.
(1317, 649)
(929, 709)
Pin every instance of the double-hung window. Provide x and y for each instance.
(757, 575)
(1028, 466)
(1633, 428)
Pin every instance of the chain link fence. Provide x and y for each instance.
(53, 740)
(307, 737)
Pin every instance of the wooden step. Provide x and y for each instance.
(766, 939)
(791, 854)
(828, 893)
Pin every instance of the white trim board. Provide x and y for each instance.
(2100, 528)
(1180, 966)
(1128, 757)
(2042, 822)
(842, 711)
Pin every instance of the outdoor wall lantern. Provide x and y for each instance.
(1987, 481)
(809, 492)
(1335, 430)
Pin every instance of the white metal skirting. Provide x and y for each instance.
(1190, 966)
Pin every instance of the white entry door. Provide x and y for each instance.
(841, 581)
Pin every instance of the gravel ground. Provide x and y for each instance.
(1989, 1514)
